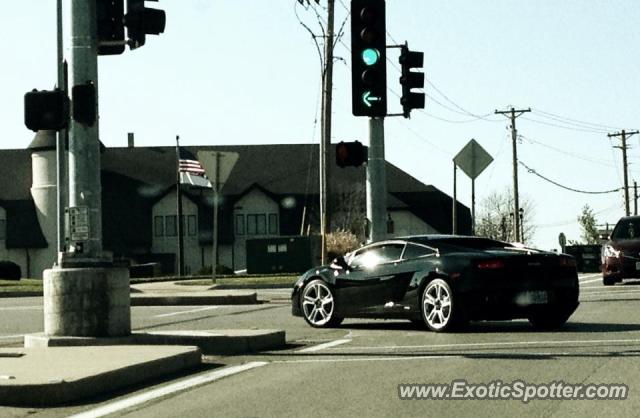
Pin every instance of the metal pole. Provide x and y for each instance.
(473, 207)
(376, 181)
(179, 226)
(60, 139)
(216, 185)
(325, 126)
(84, 147)
(454, 211)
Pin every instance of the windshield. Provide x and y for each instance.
(626, 229)
(465, 243)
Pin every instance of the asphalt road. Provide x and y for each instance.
(355, 370)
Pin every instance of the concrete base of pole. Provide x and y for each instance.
(87, 302)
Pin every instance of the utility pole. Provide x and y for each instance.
(325, 130)
(61, 180)
(513, 114)
(623, 137)
(376, 181)
(635, 198)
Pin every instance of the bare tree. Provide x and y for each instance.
(495, 217)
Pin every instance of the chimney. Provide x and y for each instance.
(130, 140)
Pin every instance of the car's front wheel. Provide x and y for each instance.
(439, 310)
(318, 305)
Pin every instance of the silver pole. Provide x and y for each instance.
(84, 148)
(216, 186)
(376, 181)
(60, 138)
(454, 210)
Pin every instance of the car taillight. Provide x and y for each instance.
(567, 262)
(490, 265)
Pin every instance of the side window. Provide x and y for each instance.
(415, 251)
(379, 254)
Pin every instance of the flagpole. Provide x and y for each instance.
(179, 210)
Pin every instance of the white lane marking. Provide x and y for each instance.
(591, 281)
(168, 390)
(347, 360)
(186, 312)
(611, 292)
(590, 276)
(496, 344)
(319, 347)
(21, 308)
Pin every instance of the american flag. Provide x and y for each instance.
(191, 171)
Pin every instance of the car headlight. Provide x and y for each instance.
(609, 251)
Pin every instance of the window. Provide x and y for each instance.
(170, 226)
(415, 251)
(273, 224)
(376, 255)
(191, 225)
(158, 226)
(239, 224)
(3, 229)
(256, 224)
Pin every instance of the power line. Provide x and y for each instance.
(532, 171)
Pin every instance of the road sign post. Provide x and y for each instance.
(473, 160)
(217, 165)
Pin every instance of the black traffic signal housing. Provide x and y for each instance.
(46, 110)
(351, 154)
(110, 26)
(411, 80)
(141, 21)
(83, 103)
(368, 58)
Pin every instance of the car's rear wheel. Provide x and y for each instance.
(439, 310)
(318, 305)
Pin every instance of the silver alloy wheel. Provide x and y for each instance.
(436, 304)
(317, 303)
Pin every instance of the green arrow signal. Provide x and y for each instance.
(368, 99)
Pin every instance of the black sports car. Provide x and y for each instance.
(441, 281)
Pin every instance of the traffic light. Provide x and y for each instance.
(411, 80)
(46, 110)
(350, 154)
(110, 19)
(83, 103)
(368, 58)
(141, 21)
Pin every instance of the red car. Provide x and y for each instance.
(621, 253)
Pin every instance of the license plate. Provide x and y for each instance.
(637, 265)
(533, 297)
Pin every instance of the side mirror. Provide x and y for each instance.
(339, 263)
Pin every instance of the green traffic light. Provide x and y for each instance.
(370, 56)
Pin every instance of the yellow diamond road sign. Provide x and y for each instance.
(472, 159)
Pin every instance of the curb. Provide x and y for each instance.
(162, 300)
(210, 342)
(68, 388)
(252, 286)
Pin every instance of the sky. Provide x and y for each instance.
(248, 72)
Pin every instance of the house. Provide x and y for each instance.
(272, 191)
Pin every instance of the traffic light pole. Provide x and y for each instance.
(96, 296)
(376, 181)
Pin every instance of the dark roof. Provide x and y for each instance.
(133, 178)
